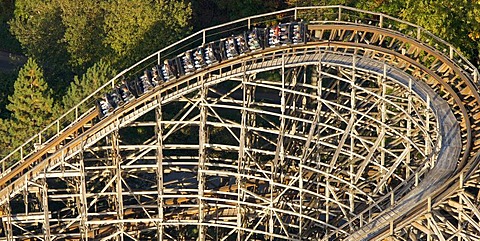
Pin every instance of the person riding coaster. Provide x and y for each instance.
(228, 48)
(145, 79)
(103, 107)
(125, 93)
(274, 36)
(195, 59)
(254, 39)
(242, 43)
(211, 55)
(169, 70)
(284, 35)
(157, 75)
(299, 33)
(188, 62)
(199, 58)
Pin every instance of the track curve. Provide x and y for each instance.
(362, 133)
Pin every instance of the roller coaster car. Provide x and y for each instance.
(103, 107)
(172, 68)
(125, 93)
(242, 43)
(256, 39)
(137, 85)
(114, 99)
(157, 75)
(279, 35)
(212, 54)
(133, 87)
(146, 81)
(228, 48)
(199, 58)
(106, 105)
(178, 64)
(299, 32)
(272, 36)
(188, 62)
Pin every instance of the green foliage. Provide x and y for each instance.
(7, 41)
(120, 31)
(456, 21)
(6, 9)
(136, 28)
(6, 88)
(67, 36)
(31, 103)
(211, 12)
(6, 136)
(324, 2)
(83, 21)
(37, 26)
(239, 9)
(81, 87)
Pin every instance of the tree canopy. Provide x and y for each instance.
(83, 86)
(210, 12)
(7, 41)
(68, 36)
(31, 104)
(456, 21)
(36, 25)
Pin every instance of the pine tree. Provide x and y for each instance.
(37, 26)
(6, 137)
(31, 103)
(80, 88)
(136, 28)
(67, 36)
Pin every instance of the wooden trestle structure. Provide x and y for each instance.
(368, 131)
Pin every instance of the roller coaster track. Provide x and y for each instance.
(367, 131)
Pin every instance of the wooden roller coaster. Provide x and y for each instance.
(368, 130)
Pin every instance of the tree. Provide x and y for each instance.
(6, 137)
(455, 21)
(67, 36)
(7, 79)
(83, 23)
(136, 28)
(37, 26)
(80, 88)
(31, 103)
(7, 41)
(211, 12)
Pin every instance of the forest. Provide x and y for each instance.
(71, 47)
